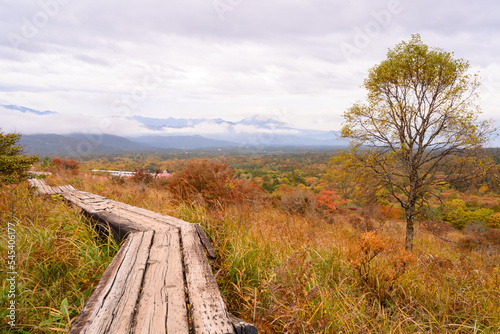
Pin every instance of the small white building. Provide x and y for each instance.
(114, 172)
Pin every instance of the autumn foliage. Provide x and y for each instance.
(142, 177)
(66, 164)
(379, 264)
(213, 183)
(329, 202)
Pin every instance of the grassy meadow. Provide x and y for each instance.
(288, 259)
(58, 258)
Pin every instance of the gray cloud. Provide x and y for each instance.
(223, 58)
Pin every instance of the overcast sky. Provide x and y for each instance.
(301, 62)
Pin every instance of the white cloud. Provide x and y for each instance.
(89, 56)
(29, 123)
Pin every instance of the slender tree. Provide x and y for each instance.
(13, 164)
(420, 117)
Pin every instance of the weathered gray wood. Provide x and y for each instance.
(205, 241)
(207, 308)
(73, 198)
(118, 308)
(162, 304)
(117, 225)
(66, 188)
(42, 187)
(95, 302)
(154, 215)
(147, 222)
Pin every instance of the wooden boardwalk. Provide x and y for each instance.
(159, 282)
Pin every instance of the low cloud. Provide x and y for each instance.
(29, 123)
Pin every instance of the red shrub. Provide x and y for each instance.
(63, 164)
(212, 183)
(329, 202)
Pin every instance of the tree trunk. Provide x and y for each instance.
(409, 228)
(410, 210)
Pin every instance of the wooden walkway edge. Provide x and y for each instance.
(159, 282)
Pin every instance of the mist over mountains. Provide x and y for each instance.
(149, 134)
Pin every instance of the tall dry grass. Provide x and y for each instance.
(59, 259)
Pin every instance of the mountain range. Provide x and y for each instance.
(252, 133)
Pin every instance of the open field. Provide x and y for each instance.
(286, 266)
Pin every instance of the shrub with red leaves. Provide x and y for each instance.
(64, 164)
(329, 202)
(213, 183)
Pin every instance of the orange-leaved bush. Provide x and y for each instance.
(379, 264)
(329, 202)
(391, 212)
(66, 164)
(211, 182)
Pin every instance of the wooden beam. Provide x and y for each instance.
(207, 308)
(118, 307)
(205, 241)
(94, 304)
(162, 304)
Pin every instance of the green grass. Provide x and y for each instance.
(59, 260)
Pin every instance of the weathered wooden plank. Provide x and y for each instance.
(66, 188)
(163, 219)
(42, 187)
(73, 198)
(205, 241)
(162, 304)
(118, 225)
(96, 300)
(147, 222)
(117, 311)
(207, 308)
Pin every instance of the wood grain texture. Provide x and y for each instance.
(96, 300)
(162, 304)
(207, 307)
(204, 240)
(118, 307)
(42, 187)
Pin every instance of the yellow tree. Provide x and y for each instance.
(420, 116)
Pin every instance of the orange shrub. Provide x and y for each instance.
(213, 183)
(379, 264)
(391, 212)
(329, 202)
(494, 221)
(64, 164)
(297, 201)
